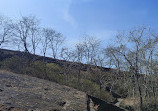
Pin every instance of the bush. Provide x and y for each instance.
(14, 64)
(89, 86)
(151, 108)
(53, 67)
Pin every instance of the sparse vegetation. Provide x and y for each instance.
(54, 72)
(132, 61)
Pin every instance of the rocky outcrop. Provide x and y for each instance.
(96, 104)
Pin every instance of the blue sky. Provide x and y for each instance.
(73, 18)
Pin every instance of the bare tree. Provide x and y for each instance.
(45, 42)
(91, 48)
(100, 61)
(56, 40)
(5, 30)
(67, 55)
(22, 30)
(35, 36)
(134, 53)
(115, 59)
(79, 52)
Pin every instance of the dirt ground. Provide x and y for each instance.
(25, 93)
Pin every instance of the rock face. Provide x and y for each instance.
(24, 93)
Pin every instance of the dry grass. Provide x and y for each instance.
(5, 72)
(133, 102)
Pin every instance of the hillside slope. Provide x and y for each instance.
(26, 93)
(29, 93)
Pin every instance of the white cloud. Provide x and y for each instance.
(62, 10)
(59, 8)
(103, 34)
(66, 12)
(67, 16)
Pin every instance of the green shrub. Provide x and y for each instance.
(38, 66)
(38, 69)
(73, 83)
(89, 86)
(13, 63)
(54, 67)
(56, 77)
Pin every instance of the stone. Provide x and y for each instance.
(1, 90)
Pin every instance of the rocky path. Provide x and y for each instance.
(25, 93)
